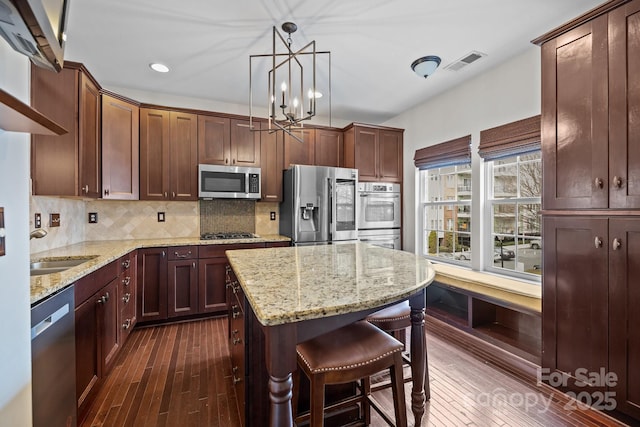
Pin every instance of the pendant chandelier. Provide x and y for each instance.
(292, 83)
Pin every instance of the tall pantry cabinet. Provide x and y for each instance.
(591, 202)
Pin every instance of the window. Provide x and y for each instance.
(446, 200)
(513, 206)
(506, 236)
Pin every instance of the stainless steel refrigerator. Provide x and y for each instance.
(319, 205)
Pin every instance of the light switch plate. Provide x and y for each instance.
(2, 234)
(160, 216)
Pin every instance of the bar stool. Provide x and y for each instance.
(395, 320)
(353, 352)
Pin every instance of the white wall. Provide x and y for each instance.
(508, 92)
(15, 350)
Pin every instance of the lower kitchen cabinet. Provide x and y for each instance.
(183, 281)
(590, 305)
(211, 290)
(97, 337)
(152, 284)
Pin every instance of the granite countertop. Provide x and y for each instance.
(102, 252)
(292, 284)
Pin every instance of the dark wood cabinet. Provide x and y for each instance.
(69, 164)
(591, 197)
(225, 141)
(575, 313)
(376, 152)
(120, 148)
(624, 316)
(97, 337)
(152, 284)
(168, 155)
(329, 148)
(211, 291)
(182, 281)
(271, 164)
(300, 153)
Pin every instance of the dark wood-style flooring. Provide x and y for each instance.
(180, 375)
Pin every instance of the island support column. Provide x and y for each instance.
(419, 369)
(281, 363)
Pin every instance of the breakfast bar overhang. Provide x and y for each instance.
(298, 293)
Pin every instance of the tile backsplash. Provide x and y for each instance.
(119, 220)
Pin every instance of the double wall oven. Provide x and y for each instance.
(379, 214)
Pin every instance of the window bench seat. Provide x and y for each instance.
(496, 318)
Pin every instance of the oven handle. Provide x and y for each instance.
(384, 195)
(379, 238)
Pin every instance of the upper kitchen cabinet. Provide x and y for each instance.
(168, 155)
(272, 161)
(591, 112)
(120, 148)
(375, 151)
(67, 165)
(224, 141)
(300, 152)
(329, 147)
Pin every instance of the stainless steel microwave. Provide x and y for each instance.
(228, 182)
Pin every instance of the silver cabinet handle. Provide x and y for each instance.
(126, 324)
(106, 191)
(178, 255)
(165, 194)
(126, 297)
(237, 341)
(598, 183)
(173, 194)
(126, 263)
(617, 182)
(616, 244)
(597, 242)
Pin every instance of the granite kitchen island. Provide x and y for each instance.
(297, 293)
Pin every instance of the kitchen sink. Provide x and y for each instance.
(56, 266)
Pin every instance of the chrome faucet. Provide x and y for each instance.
(38, 233)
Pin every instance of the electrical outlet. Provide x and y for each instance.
(273, 216)
(54, 220)
(37, 222)
(93, 217)
(160, 216)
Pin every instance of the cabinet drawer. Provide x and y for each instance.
(182, 252)
(92, 283)
(215, 251)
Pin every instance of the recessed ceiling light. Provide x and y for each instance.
(161, 68)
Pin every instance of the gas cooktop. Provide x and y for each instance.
(229, 235)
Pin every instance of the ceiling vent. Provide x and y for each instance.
(469, 58)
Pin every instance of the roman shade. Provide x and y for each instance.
(454, 152)
(522, 136)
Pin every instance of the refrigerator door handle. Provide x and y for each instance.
(332, 209)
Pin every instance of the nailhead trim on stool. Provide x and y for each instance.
(348, 354)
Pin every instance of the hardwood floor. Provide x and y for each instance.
(180, 375)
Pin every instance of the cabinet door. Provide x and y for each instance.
(271, 164)
(390, 156)
(574, 309)
(183, 287)
(109, 328)
(328, 148)
(624, 106)
(366, 153)
(211, 284)
(245, 144)
(152, 284)
(154, 154)
(575, 118)
(87, 358)
(54, 159)
(624, 300)
(299, 153)
(214, 140)
(89, 131)
(183, 170)
(120, 149)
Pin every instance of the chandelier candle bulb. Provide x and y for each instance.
(284, 89)
(310, 94)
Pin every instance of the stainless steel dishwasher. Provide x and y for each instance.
(53, 361)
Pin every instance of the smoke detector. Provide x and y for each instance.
(467, 59)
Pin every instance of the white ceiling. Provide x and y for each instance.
(207, 44)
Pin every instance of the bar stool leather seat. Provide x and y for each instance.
(348, 354)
